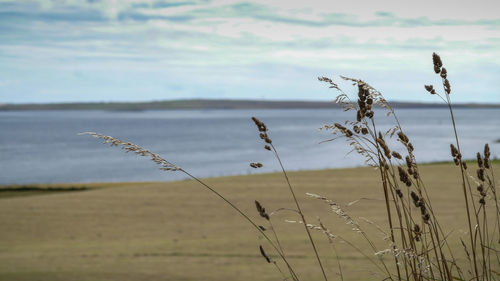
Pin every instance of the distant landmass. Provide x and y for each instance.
(214, 104)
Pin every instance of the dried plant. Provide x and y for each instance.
(414, 239)
(418, 242)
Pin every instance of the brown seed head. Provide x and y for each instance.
(267, 147)
(436, 60)
(359, 115)
(364, 131)
(403, 176)
(264, 254)
(410, 147)
(344, 130)
(487, 151)
(399, 193)
(402, 137)
(340, 127)
(479, 160)
(430, 89)
(256, 165)
(421, 204)
(454, 151)
(361, 103)
(464, 165)
(416, 228)
(447, 86)
(410, 171)
(436, 69)
(261, 210)
(443, 73)
(426, 218)
(415, 175)
(415, 198)
(396, 155)
(487, 156)
(260, 125)
(409, 163)
(325, 79)
(480, 174)
(387, 151)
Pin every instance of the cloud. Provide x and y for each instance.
(234, 48)
(165, 4)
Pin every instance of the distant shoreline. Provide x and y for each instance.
(39, 187)
(214, 104)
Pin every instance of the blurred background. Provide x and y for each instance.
(183, 79)
(145, 51)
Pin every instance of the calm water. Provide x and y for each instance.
(43, 146)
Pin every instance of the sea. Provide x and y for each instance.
(45, 146)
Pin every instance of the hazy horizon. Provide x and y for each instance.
(131, 51)
(242, 100)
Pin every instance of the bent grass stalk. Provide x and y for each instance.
(418, 243)
(168, 166)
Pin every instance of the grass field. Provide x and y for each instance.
(179, 231)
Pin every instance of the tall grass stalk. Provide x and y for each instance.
(418, 245)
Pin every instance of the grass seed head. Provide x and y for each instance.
(263, 253)
(487, 156)
(261, 210)
(430, 89)
(443, 73)
(436, 60)
(480, 174)
(256, 165)
(403, 176)
(410, 147)
(396, 155)
(409, 163)
(415, 198)
(479, 160)
(399, 193)
(447, 86)
(403, 138)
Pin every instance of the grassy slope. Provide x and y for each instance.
(178, 231)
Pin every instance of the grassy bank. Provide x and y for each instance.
(178, 231)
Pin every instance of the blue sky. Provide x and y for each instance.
(71, 51)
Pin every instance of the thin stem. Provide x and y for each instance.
(300, 212)
(463, 187)
(246, 217)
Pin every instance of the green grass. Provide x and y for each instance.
(179, 231)
(30, 190)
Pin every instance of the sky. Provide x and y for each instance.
(126, 50)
